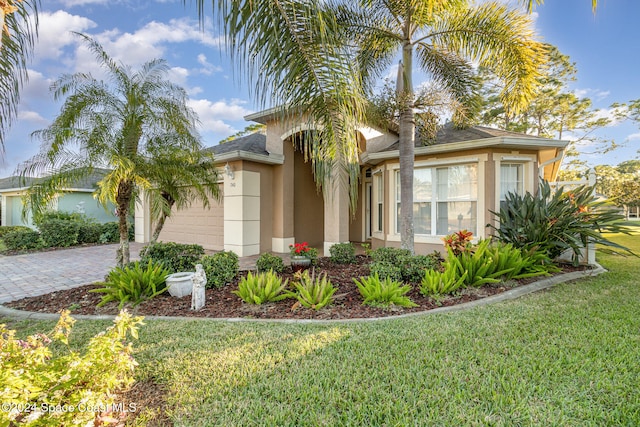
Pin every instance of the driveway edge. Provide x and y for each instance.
(493, 299)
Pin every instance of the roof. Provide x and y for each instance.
(87, 183)
(448, 134)
(253, 143)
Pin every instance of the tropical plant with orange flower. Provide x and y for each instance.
(458, 242)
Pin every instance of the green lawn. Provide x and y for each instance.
(569, 356)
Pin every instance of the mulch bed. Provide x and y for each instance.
(222, 303)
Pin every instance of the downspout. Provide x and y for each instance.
(541, 166)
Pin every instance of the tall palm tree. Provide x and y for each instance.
(530, 4)
(300, 45)
(117, 125)
(444, 37)
(19, 25)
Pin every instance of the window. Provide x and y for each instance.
(379, 200)
(444, 199)
(511, 180)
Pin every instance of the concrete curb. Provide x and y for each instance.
(504, 296)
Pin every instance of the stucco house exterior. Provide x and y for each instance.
(270, 199)
(77, 198)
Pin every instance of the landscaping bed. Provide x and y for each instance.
(222, 303)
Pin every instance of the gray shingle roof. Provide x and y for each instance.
(252, 143)
(88, 182)
(449, 134)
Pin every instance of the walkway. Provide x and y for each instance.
(45, 272)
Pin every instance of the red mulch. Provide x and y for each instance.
(222, 303)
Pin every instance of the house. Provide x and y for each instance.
(270, 199)
(77, 198)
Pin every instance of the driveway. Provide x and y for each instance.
(45, 272)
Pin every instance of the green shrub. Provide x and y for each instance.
(400, 265)
(343, 253)
(9, 228)
(19, 240)
(262, 288)
(477, 265)
(313, 292)
(176, 257)
(383, 293)
(221, 268)
(59, 233)
(436, 283)
(415, 267)
(268, 261)
(109, 232)
(133, 284)
(35, 377)
(89, 232)
(557, 221)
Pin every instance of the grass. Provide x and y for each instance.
(568, 356)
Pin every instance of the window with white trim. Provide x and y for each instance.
(445, 199)
(511, 180)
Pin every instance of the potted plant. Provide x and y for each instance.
(302, 256)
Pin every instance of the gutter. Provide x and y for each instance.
(270, 159)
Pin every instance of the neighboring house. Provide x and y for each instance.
(77, 198)
(270, 199)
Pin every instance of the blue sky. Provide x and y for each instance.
(604, 46)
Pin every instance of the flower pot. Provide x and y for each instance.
(180, 284)
(299, 263)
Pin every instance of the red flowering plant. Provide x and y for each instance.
(303, 249)
(458, 242)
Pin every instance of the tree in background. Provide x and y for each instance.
(119, 125)
(19, 26)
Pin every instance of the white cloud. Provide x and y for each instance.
(208, 68)
(54, 32)
(33, 117)
(72, 3)
(633, 137)
(595, 94)
(213, 114)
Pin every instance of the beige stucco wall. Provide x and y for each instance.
(266, 201)
(197, 225)
(308, 204)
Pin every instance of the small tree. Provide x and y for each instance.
(122, 125)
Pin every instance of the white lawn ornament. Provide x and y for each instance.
(198, 291)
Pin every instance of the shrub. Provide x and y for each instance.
(436, 283)
(220, 268)
(268, 261)
(415, 267)
(34, 377)
(400, 265)
(383, 293)
(557, 221)
(133, 284)
(89, 232)
(477, 265)
(9, 228)
(22, 240)
(261, 288)
(176, 257)
(458, 242)
(59, 232)
(343, 253)
(109, 232)
(313, 292)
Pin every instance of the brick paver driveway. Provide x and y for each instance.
(44, 272)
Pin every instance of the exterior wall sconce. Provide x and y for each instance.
(228, 170)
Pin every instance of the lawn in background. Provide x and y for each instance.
(566, 356)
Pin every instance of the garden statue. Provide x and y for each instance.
(198, 292)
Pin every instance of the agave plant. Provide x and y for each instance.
(313, 292)
(262, 288)
(133, 284)
(384, 293)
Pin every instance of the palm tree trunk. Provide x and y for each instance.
(158, 229)
(407, 147)
(123, 199)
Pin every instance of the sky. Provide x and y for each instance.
(604, 46)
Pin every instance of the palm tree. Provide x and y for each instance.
(321, 38)
(120, 126)
(19, 24)
(178, 178)
(530, 4)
